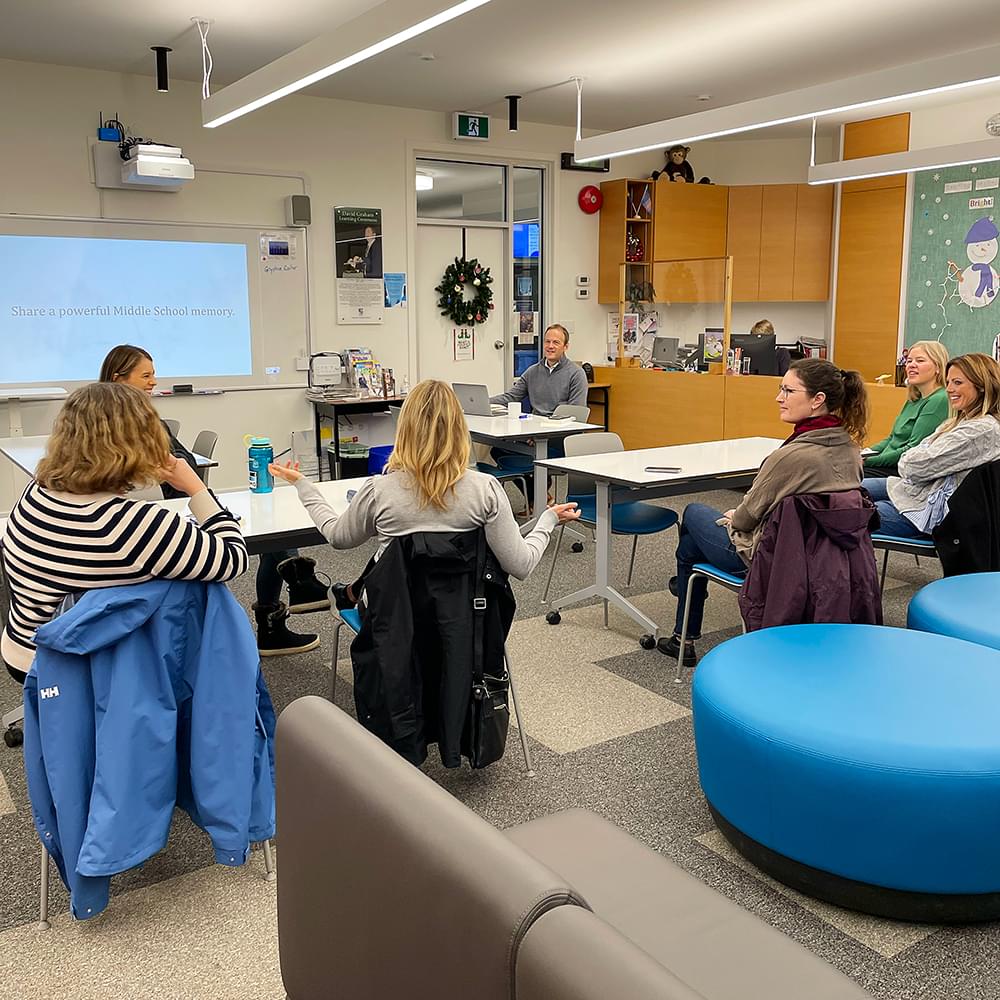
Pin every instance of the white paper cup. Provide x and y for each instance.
(513, 410)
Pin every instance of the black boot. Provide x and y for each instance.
(341, 597)
(273, 637)
(671, 647)
(306, 592)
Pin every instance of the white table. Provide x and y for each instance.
(277, 520)
(13, 398)
(517, 434)
(621, 475)
(27, 452)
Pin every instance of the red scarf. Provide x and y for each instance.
(814, 424)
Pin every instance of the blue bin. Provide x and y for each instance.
(377, 457)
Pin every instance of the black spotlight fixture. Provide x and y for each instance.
(162, 83)
(512, 100)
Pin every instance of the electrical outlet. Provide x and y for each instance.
(582, 279)
(583, 293)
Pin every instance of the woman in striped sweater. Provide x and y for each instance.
(75, 528)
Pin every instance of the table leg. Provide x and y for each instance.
(602, 587)
(336, 444)
(318, 420)
(541, 478)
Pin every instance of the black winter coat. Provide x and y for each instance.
(968, 539)
(413, 658)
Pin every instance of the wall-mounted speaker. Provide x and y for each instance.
(298, 210)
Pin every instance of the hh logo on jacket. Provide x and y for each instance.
(50, 692)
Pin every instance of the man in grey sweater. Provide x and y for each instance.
(553, 380)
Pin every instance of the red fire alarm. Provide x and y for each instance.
(590, 199)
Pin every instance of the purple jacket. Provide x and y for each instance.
(815, 563)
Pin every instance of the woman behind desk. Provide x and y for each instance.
(133, 366)
(922, 414)
(427, 487)
(74, 528)
(829, 410)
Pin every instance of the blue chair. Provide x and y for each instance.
(628, 517)
(964, 607)
(713, 574)
(351, 617)
(858, 764)
(915, 547)
(503, 475)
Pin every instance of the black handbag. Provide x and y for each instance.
(485, 736)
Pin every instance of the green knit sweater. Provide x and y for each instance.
(918, 419)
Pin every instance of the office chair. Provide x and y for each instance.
(204, 445)
(351, 617)
(628, 517)
(174, 425)
(915, 547)
(712, 574)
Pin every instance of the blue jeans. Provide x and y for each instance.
(893, 523)
(702, 540)
(269, 583)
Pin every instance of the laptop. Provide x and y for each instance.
(475, 400)
(665, 350)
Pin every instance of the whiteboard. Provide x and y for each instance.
(277, 285)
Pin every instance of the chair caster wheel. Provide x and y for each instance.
(553, 618)
(576, 547)
(647, 642)
(13, 737)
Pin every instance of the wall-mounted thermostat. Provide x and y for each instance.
(582, 279)
(583, 293)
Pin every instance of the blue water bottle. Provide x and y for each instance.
(260, 455)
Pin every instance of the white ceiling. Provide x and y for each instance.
(641, 61)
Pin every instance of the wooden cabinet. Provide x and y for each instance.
(779, 238)
(690, 220)
(626, 216)
(743, 240)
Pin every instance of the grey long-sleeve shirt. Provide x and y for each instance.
(388, 507)
(548, 387)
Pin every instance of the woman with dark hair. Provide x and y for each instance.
(828, 408)
(913, 504)
(130, 365)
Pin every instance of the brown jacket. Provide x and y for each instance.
(820, 461)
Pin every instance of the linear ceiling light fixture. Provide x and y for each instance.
(899, 83)
(935, 158)
(383, 27)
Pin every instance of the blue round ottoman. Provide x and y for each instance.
(964, 607)
(858, 764)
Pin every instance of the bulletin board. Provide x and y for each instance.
(953, 285)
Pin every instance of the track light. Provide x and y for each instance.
(512, 100)
(162, 83)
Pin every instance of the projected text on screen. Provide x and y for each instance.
(66, 300)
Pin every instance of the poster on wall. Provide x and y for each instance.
(464, 343)
(953, 285)
(357, 235)
(395, 290)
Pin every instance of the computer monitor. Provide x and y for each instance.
(760, 349)
(665, 350)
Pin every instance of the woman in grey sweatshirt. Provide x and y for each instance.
(428, 487)
(913, 504)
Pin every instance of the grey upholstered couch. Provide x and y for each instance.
(390, 888)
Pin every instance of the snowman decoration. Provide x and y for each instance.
(979, 283)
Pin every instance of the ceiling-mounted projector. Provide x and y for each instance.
(163, 167)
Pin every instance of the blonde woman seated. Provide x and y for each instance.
(915, 503)
(75, 528)
(427, 487)
(922, 414)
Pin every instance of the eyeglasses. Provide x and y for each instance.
(784, 391)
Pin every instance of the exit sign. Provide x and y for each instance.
(466, 125)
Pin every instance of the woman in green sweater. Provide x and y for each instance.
(922, 414)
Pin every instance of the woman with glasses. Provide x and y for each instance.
(913, 504)
(828, 408)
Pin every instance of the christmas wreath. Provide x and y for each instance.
(452, 301)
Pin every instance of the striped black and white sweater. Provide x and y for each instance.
(61, 543)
